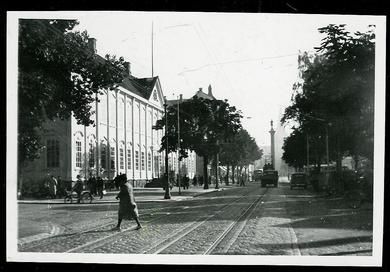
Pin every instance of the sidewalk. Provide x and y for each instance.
(142, 195)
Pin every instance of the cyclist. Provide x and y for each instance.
(78, 188)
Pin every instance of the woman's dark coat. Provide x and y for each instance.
(127, 206)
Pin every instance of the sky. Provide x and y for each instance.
(249, 59)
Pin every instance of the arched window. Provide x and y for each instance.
(137, 159)
(142, 160)
(79, 149)
(121, 156)
(112, 155)
(149, 161)
(129, 155)
(103, 154)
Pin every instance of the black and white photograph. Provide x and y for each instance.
(195, 138)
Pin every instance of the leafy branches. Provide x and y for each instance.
(58, 75)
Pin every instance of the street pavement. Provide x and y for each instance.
(234, 220)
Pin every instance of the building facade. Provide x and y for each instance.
(120, 141)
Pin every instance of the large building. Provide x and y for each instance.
(121, 141)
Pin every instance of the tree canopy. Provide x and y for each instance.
(58, 76)
(335, 95)
(204, 125)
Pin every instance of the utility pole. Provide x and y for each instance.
(327, 145)
(152, 50)
(178, 142)
(167, 193)
(307, 152)
(217, 166)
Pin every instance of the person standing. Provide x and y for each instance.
(53, 187)
(127, 207)
(100, 186)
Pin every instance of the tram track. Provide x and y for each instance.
(98, 238)
(165, 244)
(101, 243)
(58, 239)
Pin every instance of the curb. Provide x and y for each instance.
(60, 200)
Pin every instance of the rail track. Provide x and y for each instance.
(224, 222)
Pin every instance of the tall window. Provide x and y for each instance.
(156, 157)
(112, 157)
(78, 153)
(142, 160)
(103, 156)
(149, 162)
(53, 153)
(121, 158)
(129, 158)
(91, 155)
(136, 160)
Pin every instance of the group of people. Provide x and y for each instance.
(95, 185)
(53, 186)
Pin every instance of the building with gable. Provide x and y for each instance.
(121, 141)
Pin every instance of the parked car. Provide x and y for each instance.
(298, 179)
(157, 183)
(257, 174)
(269, 177)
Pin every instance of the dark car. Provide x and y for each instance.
(257, 174)
(269, 177)
(298, 180)
(157, 183)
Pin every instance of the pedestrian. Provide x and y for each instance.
(78, 188)
(186, 182)
(100, 186)
(127, 207)
(92, 184)
(52, 187)
(195, 181)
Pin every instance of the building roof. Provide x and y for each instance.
(139, 86)
(203, 95)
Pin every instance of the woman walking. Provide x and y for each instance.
(127, 207)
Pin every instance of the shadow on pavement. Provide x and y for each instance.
(321, 243)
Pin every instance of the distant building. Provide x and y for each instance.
(193, 165)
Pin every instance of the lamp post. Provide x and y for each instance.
(167, 192)
(217, 166)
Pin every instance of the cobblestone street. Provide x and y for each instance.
(235, 220)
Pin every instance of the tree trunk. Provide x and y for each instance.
(233, 167)
(227, 174)
(205, 173)
(339, 179)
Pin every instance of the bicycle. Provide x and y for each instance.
(85, 197)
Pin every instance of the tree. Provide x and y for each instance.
(203, 123)
(240, 150)
(58, 76)
(336, 93)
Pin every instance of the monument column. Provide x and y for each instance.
(272, 132)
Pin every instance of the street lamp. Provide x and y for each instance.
(167, 193)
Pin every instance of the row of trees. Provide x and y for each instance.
(209, 127)
(333, 103)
